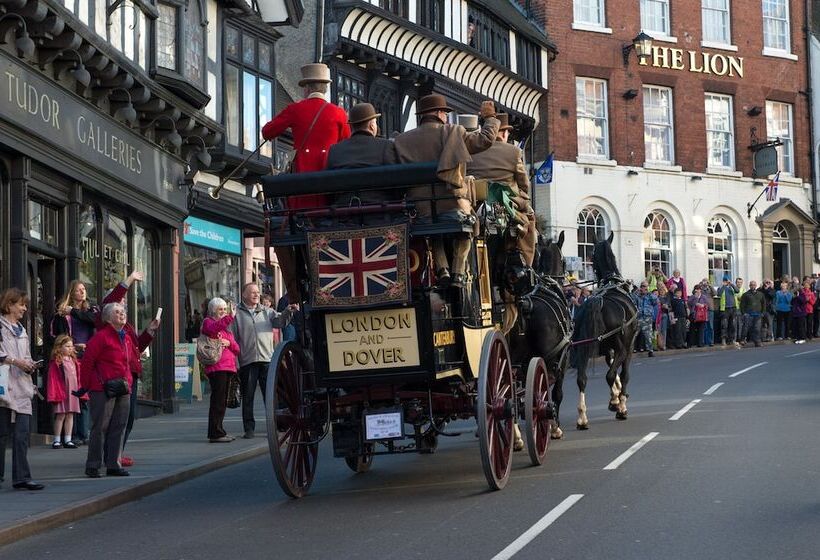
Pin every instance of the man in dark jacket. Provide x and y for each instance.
(752, 306)
(363, 149)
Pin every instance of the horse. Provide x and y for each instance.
(605, 325)
(544, 324)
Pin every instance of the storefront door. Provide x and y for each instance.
(780, 259)
(42, 288)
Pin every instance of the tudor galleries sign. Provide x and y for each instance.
(693, 61)
(67, 122)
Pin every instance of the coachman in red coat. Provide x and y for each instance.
(316, 124)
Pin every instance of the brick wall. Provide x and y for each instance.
(583, 53)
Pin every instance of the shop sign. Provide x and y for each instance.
(693, 61)
(67, 122)
(213, 236)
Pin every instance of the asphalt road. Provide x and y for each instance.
(735, 476)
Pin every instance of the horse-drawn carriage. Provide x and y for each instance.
(388, 357)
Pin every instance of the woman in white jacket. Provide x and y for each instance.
(15, 405)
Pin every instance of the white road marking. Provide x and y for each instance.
(713, 388)
(685, 409)
(536, 529)
(735, 374)
(803, 353)
(630, 452)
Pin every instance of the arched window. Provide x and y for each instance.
(591, 228)
(779, 233)
(657, 243)
(719, 250)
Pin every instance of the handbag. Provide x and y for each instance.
(115, 387)
(701, 314)
(208, 350)
(291, 154)
(234, 396)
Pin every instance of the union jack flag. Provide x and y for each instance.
(361, 267)
(771, 188)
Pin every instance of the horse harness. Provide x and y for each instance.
(548, 291)
(614, 286)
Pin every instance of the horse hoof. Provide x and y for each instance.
(582, 426)
(620, 416)
(613, 407)
(557, 433)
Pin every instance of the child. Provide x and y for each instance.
(63, 380)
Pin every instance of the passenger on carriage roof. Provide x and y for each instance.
(451, 145)
(363, 149)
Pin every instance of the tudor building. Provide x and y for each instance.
(656, 148)
(108, 109)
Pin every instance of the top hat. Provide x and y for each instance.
(362, 112)
(504, 118)
(470, 122)
(432, 102)
(316, 72)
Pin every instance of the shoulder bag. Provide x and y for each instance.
(208, 350)
(292, 154)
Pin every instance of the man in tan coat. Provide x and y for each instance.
(451, 145)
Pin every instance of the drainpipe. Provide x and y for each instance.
(320, 29)
(813, 155)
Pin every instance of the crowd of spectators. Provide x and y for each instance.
(670, 316)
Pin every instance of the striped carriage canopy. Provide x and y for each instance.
(407, 43)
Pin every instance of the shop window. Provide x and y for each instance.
(528, 59)
(431, 15)
(779, 126)
(249, 80)
(720, 136)
(145, 304)
(89, 221)
(43, 222)
(719, 250)
(592, 118)
(657, 243)
(349, 91)
(591, 229)
(488, 35)
(208, 274)
(180, 42)
(115, 252)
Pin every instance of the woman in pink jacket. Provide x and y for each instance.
(219, 374)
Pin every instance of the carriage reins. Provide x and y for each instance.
(613, 332)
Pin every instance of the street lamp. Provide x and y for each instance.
(24, 44)
(127, 112)
(79, 72)
(173, 136)
(641, 44)
(202, 156)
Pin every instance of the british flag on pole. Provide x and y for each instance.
(771, 189)
(361, 267)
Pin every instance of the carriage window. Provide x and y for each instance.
(657, 243)
(591, 228)
(719, 250)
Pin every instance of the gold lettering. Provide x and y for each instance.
(660, 57)
(706, 63)
(693, 62)
(677, 59)
(736, 66)
(718, 65)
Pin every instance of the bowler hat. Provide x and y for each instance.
(362, 112)
(505, 121)
(316, 72)
(470, 122)
(432, 102)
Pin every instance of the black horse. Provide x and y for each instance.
(544, 324)
(605, 325)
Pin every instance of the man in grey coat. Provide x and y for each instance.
(253, 330)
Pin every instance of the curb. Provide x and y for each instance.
(92, 506)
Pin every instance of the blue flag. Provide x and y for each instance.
(544, 174)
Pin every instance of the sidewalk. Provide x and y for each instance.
(167, 449)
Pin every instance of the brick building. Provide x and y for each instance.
(656, 149)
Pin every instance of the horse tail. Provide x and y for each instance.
(589, 324)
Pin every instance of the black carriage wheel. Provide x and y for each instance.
(537, 411)
(496, 410)
(294, 420)
(361, 463)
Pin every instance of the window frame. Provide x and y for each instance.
(239, 63)
(730, 132)
(425, 14)
(786, 151)
(527, 59)
(605, 118)
(786, 21)
(175, 78)
(670, 125)
(724, 253)
(400, 8)
(585, 247)
(346, 98)
(667, 31)
(601, 5)
(490, 36)
(651, 245)
(727, 39)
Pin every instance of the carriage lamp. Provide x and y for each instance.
(23, 43)
(641, 44)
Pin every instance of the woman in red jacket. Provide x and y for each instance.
(107, 357)
(220, 373)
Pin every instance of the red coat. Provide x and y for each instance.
(138, 343)
(331, 127)
(57, 389)
(106, 357)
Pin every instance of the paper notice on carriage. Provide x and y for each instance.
(378, 339)
(383, 426)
